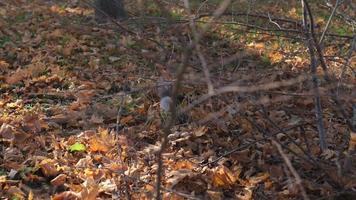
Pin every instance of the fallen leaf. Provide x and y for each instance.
(48, 167)
(126, 120)
(223, 177)
(77, 147)
(200, 131)
(67, 195)
(352, 142)
(98, 145)
(59, 180)
(16, 192)
(96, 119)
(174, 177)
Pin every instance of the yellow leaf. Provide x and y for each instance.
(223, 177)
(275, 57)
(98, 145)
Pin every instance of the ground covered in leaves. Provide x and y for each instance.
(80, 115)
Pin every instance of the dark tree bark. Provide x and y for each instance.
(112, 8)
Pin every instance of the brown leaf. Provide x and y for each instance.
(91, 191)
(67, 195)
(16, 192)
(174, 177)
(16, 77)
(14, 135)
(126, 120)
(7, 131)
(258, 178)
(59, 180)
(48, 167)
(215, 195)
(97, 144)
(4, 65)
(96, 119)
(352, 142)
(223, 177)
(184, 164)
(200, 131)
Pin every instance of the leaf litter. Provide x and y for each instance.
(59, 105)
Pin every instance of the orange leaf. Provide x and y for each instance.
(98, 145)
(184, 165)
(126, 120)
(223, 177)
(352, 142)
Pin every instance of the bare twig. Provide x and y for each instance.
(244, 89)
(331, 79)
(273, 22)
(292, 169)
(328, 23)
(119, 113)
(179, 77)
(313, 68)
(274, 124)
(346, 63)
(198, 50)
(250, 144)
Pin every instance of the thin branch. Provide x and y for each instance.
(313, 68)
(327, 76)
(250, 144)
(291, 169)
(199, 52)
(179, 77)
(244, 89)
(273, 22)
(119, 112)
(346, 63)
(274, 124)
(328, 23)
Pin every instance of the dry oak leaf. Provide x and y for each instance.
(174, 177)
(215, 195)
(59, 180)
(97, 144)
(258, 178)
(90, 190)
(126, 120)
(67, 195)
(16, 192)
(200, 131)
(16, 77)
(48, 167)
(4, 65)
(223, 177)
(16, 136)
(96, 119)
(352, 142)
(185, 164)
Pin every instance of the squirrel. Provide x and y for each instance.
(112, 8)
(164, 89)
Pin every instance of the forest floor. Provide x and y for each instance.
(80, 117)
